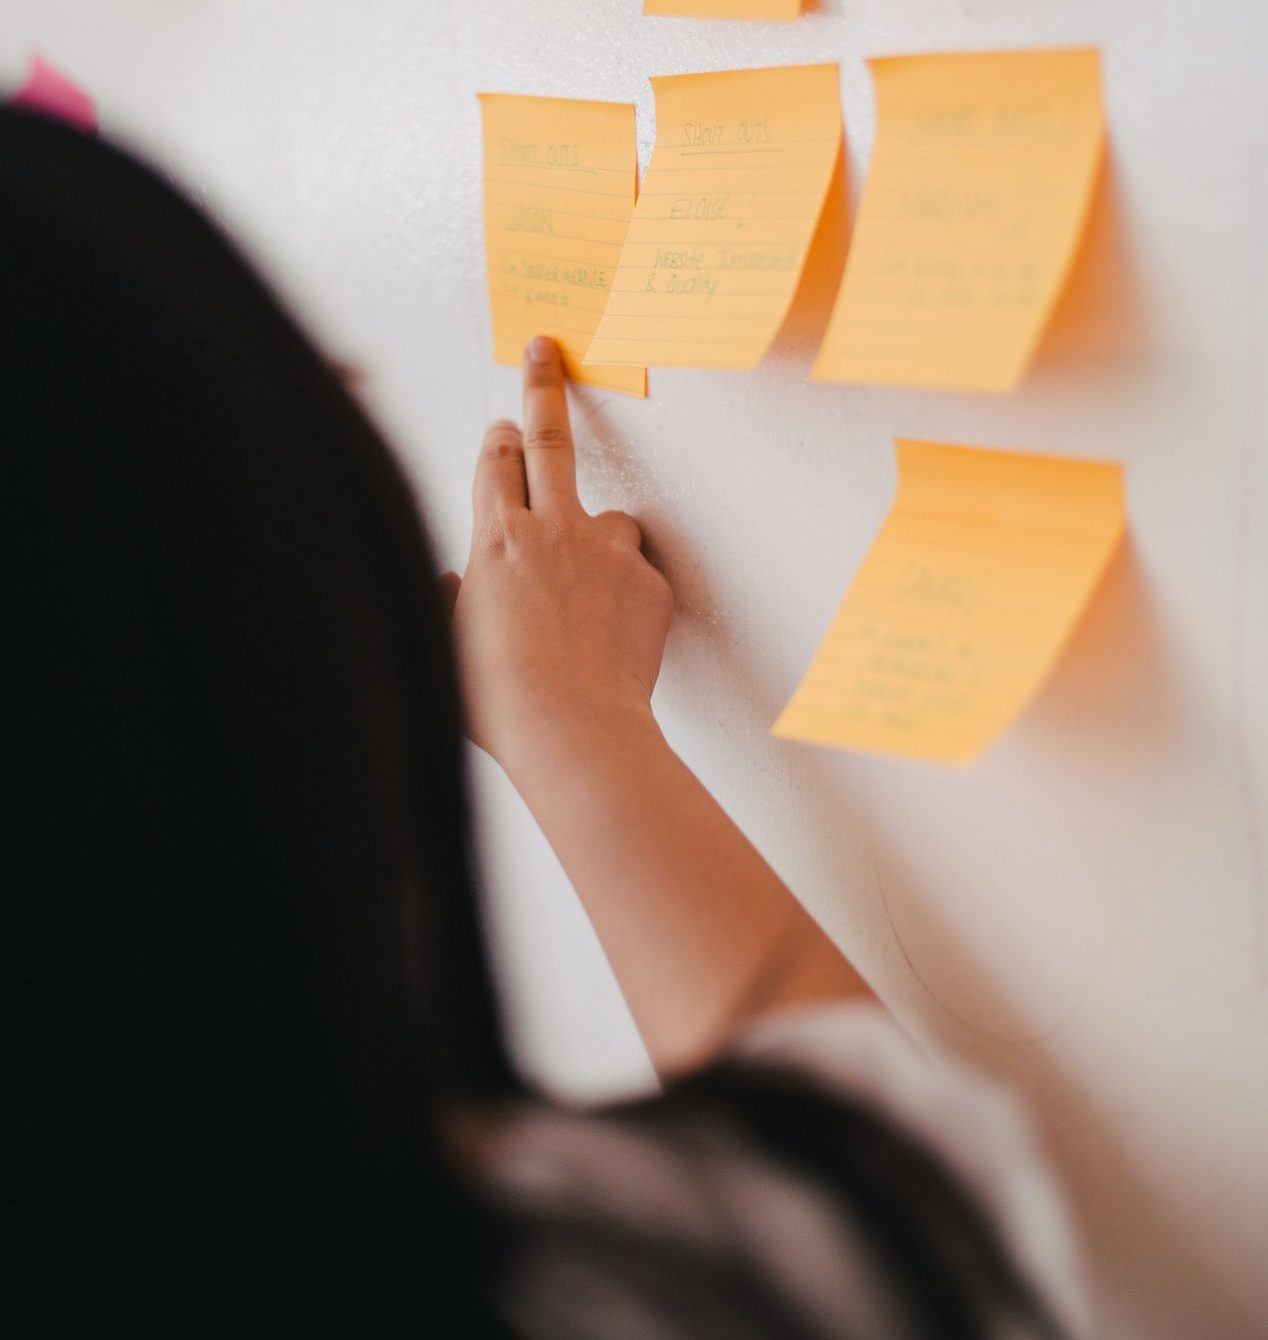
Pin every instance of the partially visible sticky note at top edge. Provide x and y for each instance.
(977, 196)
(723, 9)
(962, 604)
(729, 207)
(560, 179)
(49, 91)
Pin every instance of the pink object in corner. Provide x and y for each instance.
(47, 90)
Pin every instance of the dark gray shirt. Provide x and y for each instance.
(687, 1216)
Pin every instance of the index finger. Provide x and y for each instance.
(549, 463)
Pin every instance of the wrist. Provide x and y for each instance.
(547, 746)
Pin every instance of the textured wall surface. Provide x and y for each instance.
(1083, 912)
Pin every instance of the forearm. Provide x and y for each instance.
(700, 932)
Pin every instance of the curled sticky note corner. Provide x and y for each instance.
(49, 91)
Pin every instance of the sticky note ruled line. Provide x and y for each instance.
(909, 606)
(734, 240)
(563, 237)
(741, 244)
(937, 294)
(1009, 671)
(915, 639)
(534, 294)
(547, 316)
(577, 320)
(539, 325)
(514, 202)
(755, 217)
(1021, 181)
(911, 579)
(684, 300)
(882, 359)
(924, 638)
(934, 143)
(692, 153)
(529, 303)
(559, 167)
(767, 168)
(827, 142)
(864, 244)
(523, 193)
(554, 231)
(547, 238)
(571, 190)
(725, 322)
(638, 339)
(905, 555)
(897, 337)
(906, 563)
(921, 673)
(763, 168)
(743, 190)
(917, 214)
(972, 532)
(607, 268)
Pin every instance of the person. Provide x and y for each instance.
(252, 1065)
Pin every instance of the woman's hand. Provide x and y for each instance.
(560, 622)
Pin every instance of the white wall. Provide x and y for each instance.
(1084, 910)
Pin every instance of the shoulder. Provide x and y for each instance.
(815, 1180)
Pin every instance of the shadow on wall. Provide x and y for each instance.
(1108, 701)
(1099, 317)
(1113, 690)
(801, 333)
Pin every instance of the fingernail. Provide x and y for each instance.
(541, 349)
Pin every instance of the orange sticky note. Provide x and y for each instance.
(560, 177)
(977, 196)
(723, 9)
(962, 604)
(728, 208)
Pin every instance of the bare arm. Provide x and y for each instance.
(561, 624)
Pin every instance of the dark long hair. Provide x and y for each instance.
(242, 966)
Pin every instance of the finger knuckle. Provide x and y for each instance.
(495, 539)
(500, 452)
(502, 439)
(548, 437)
